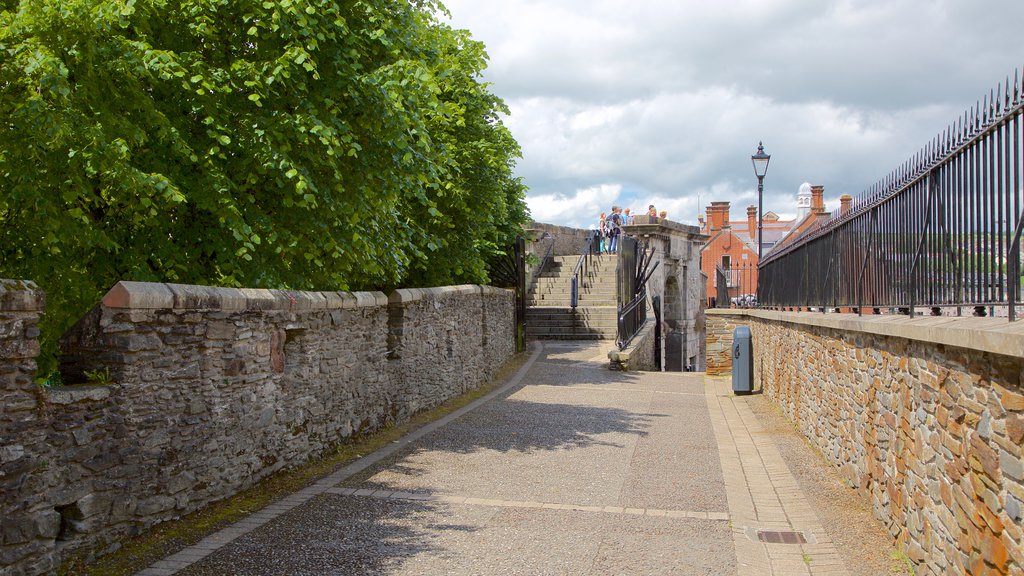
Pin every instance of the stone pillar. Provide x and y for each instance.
(30, 525)
(679, 283)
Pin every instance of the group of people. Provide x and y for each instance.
(610, 225)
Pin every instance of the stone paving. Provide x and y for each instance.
(569, 468)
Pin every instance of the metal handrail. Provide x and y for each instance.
(635, 270)
(539, 269)
(582, 265)
(631, 318)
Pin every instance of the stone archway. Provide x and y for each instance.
(674, 330)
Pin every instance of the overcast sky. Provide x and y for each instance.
(656, 101)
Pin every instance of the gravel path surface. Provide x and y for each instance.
(579, 471)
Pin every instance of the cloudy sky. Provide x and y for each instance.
(663, 101)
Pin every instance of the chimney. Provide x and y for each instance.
(845, 203)
(752, 221)
(817, 199)
(718, 215)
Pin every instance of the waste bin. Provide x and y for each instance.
(742, 361)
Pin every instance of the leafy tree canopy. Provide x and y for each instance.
(305, 144)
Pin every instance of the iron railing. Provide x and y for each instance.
(535, 271)
(632, 271)
(942, 231)
(735, 286)
(582, 269)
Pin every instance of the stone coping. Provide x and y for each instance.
(993, 335)
(645, 225)
(21, 296)
(155, 295)
(407, 295)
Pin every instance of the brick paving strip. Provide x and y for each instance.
(764, 496)
(212, 543)
(471, 501)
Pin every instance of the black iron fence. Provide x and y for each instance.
(633, 270)
(941, 231)
(735, 287)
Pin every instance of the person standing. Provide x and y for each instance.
(615, 228)
(601, 226)
(653, 213)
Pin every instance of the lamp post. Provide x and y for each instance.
(760, 160)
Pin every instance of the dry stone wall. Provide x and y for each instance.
(720, 328)
(210, 390)
(924, 416)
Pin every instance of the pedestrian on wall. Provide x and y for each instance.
(653, 213)
(627, 218)
(603, 232)
(664, 215)
(614, 225)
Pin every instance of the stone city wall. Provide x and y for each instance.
(568, 241)
(924, 416)
(204, 391)
(719, 329)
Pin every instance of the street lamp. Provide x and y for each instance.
(760, 160)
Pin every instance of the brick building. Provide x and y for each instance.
(732, 244)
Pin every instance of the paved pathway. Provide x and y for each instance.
(568, 469)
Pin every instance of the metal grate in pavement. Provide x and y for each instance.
(781, 537)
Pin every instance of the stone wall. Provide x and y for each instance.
(639, 355)
(568, 241)
(924, 416)
(27, 524)
(720, 325)
(204, 391)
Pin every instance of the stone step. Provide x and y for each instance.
(601, 280)
(590, 290)
(560, 332)
(564, 301)
(569, 336)
(568, 311)
(566, 277)
(543, 327)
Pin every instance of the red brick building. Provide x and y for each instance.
(732, 244)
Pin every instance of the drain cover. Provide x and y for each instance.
(779, 537)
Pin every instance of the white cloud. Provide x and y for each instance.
(666, 100)
(581, 209)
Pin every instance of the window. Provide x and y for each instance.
(726, 262)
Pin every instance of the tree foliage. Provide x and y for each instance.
(306, 144)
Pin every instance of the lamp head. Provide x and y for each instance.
(760, 160)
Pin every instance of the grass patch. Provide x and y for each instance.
(901, 563)
(172, 536)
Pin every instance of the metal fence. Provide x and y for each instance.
(943, 230)
(632, 271)
(735, 287)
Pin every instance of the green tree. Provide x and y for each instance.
(308, 144)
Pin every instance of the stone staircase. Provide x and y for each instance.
(549, 315)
